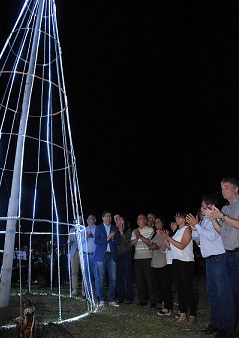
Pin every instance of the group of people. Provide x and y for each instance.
(218, 233)
(157, 258)
(107, 258)
(39, 262)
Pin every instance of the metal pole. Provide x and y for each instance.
(13, 205)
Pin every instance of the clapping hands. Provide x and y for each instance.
(111, 235)
(163, 234)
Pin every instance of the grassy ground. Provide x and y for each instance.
(125, 321)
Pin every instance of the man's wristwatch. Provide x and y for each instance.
(140, 235)
(223, 217)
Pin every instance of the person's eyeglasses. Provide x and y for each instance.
(141, 218)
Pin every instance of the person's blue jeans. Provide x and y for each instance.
(124, 277)
(232, 262)
(91, 275)
(108, 265)
(220, 293)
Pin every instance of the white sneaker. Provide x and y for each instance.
(113, 304)
(102, 303)
(164, 312)
(74, 293)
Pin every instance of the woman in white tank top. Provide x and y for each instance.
(181, 245)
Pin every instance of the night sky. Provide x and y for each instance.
(153, 92)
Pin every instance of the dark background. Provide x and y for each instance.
(153, 92)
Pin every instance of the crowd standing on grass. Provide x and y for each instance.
(157, 255)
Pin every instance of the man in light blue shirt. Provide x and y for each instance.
(90, 266)
(218, 286)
